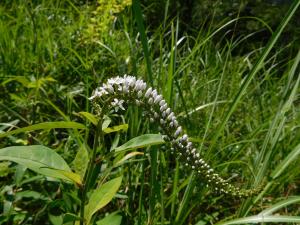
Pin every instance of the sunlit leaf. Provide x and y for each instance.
(101, 197)
(128, 156)
(90, 117)
(81, 161)
(38, 158)
(111, 219)
(74, 177)
(122, 127)
(106, 122)
(141, 142)
(263, 219)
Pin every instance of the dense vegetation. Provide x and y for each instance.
(229, 71)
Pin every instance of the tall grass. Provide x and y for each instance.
(242, 112)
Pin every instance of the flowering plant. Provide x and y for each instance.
(120, 90)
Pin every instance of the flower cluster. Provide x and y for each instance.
(122, 90)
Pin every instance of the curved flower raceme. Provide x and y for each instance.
(127, 89)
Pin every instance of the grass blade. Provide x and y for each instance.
(263, 219)
(256, 68)
(141, 28)
(280, 205)
(45, 126)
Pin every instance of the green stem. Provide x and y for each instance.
(90, 169)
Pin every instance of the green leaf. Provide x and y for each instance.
(280, 205)
(45, 126)
(111, 219)
(263, 219)
(90, 117)
(106, 122)
(81, 161)
(122, 127)
(4, 169)
(56, 220)
(293, 155)
(142, 141)
(74, 177)
(128, 156)
(21, 79)
(38, 158)
(30, 194)
(101, 197)
(69, 217)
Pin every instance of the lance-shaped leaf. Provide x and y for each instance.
(40, 159)
(101, 197)
(141, 142)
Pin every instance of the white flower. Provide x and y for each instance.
(193, 151)
(163, 107)
(139, 85)
(109, 88)
(163, 102)
(175, 123)
(116, 80)
(118, 104)
(178, 132)
(150, 101)
(157, 99)
(140, 93)
(168, 111)
(154, 93)
(184, 137)
(170, 117)
(130, 80)
(148, 92)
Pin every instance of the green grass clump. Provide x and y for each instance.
(241, 112)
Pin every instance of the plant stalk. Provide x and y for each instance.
(90, 169)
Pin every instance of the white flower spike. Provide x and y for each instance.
(128, 89)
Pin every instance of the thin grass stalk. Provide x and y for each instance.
(186, 199)
(214, 104)
(171, 67)
(175, 189)
(166, 13)
(162, 197)
(136, 5)
(153, 183)
(141, 194)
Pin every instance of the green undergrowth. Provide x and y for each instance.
(241, 111)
